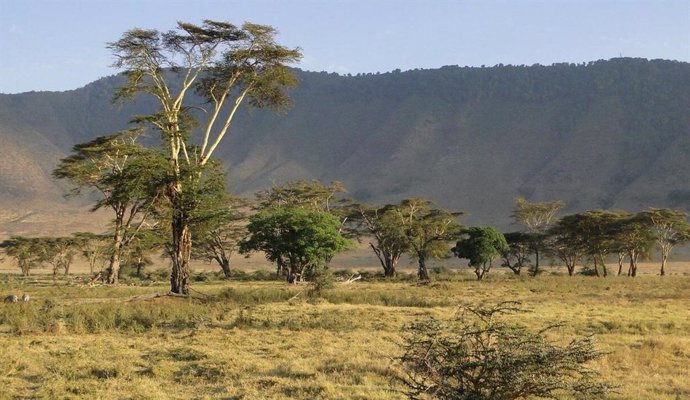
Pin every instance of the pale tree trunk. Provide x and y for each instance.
(113, 270)
(664, 258)
(181, 254)
(620, 263)
(25, 267)
(632, 271)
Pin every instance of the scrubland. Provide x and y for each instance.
(253, 338)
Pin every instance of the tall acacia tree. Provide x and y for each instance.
(225, 65)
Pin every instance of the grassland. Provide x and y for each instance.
(263, 339)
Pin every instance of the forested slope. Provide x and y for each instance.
(610, 134)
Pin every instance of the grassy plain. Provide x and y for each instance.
(247, 339)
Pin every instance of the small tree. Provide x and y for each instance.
(671, 228)
(478, 356)
(565, 241)
(481, 246)
(382, 225)
(25, 252)
(294, 238)
(220, 238)
(634, 237)
(427, 231)
(137, 254)
(594, 231)
(536, 218)
(126, 176)
(59, 252)
(516, 255)
(94, 248)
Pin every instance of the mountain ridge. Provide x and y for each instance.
(606, 134)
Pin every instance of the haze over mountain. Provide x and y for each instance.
(609, 134)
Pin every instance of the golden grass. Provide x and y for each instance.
(253, 340)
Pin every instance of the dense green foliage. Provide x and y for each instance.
(481, 246)
(294, 238)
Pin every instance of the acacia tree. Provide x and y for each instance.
(125, 175)
(137, 254)
(225, 65)
(670, 227)
(382, 225)
(428, 231)
(481, 246)
(25, 252)
(59, 252)
(596, 232)
(516, 255)
(94, 248)
(220, 237)
(294, 238)
(308, 195)
(634, 237)
(536, 218)
(312, 195)
(566, 242)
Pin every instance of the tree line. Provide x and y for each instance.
(301, 225)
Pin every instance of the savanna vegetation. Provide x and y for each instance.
(308, 329)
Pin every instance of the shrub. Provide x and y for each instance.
(476, 356)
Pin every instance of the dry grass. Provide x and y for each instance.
(249, 340)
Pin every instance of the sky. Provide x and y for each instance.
(59, 45)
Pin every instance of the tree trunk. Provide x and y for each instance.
(481, 270)
(387, 261)
(225, 266)
(181, 253)
(25, 268)
(113, 271)
(620, 263)
(569, 265)
(422, 273)
(633, 264)
(664, 257)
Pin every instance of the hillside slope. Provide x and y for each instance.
(610, 134)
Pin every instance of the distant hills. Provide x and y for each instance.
(607, 134)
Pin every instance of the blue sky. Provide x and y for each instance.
(60, 44)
